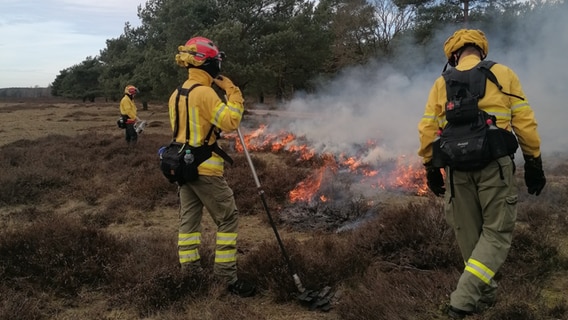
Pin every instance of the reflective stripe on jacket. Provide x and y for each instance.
(127, 107)
(512, 113)
(206, 109)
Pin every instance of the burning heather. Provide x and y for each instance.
(340, 185)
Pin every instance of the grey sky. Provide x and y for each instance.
(38, 39)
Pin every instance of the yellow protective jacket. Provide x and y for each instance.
(206, 109)
(512, 113)
(127, 107)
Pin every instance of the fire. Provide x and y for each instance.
(261, 140)
(408, 176)
(306, 190)
(401, 174)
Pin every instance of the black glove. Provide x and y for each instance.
(534, 175)
(435, 179)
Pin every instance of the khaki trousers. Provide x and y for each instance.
(482, 213)
(216, 196)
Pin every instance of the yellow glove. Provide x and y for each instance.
(224, 83)
(233, 92)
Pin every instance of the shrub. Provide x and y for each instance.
(58, 253)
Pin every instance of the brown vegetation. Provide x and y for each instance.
(88, 230)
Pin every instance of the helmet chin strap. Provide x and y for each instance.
(455, 57)
(212, 67)
(452, 61)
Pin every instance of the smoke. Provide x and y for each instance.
(384, 102)
(540, 62)
(375, 102)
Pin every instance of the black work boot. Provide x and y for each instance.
(455, 313)
(242, 288)
(484, 305)
(191, 268)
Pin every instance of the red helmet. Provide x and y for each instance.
(198, 51)
(203, 49)
(201, 53)
(131, 90)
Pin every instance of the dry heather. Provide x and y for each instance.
(88, 230)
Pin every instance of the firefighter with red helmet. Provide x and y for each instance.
(481, 204)
(195, 109)
(128, 113)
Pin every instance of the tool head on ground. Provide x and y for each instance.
(201, 53)
(131, 90)
(464, 38)
(317, 300)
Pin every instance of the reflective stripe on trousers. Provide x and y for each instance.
(213, 194)
(482, 213)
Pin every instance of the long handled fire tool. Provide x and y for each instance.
(314, 299)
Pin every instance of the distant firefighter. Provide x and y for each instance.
(128, 113)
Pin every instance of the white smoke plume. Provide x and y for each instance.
(384, 102)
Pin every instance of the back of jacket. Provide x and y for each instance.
(127, 107)
(206, 109)
(511, 113)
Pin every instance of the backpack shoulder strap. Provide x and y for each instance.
(485, 67)
(215, 147)
(462, 84)
(185, 92)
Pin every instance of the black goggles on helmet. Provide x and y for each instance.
(217, 59)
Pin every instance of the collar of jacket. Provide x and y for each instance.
(199, 76)
(468, 62)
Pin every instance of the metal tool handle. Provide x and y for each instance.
(249, 160)
(295, 276)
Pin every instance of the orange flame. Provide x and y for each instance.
(306, 190)
(260, 140)
(406, 174)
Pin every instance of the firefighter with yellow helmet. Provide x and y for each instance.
(128, 113)
(480, 204)
(195, 109)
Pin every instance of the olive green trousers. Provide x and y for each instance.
(482, 212)
(216, 196)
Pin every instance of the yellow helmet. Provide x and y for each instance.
(465, 37)
(131, 90)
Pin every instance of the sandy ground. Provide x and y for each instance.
(32, 120)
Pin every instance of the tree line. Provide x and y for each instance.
(18, 93)
(274, 47)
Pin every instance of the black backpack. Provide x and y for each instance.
(471, 140)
